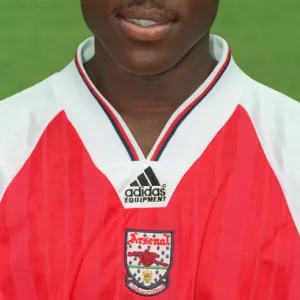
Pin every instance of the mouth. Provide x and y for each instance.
(145, 25)
(144, 30)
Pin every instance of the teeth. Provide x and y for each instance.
(144, 23)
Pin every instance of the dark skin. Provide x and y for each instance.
(147, 81)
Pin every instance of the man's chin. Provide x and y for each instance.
(145, 63)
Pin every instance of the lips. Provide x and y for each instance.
(141, 24)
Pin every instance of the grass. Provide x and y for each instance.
(39, 37)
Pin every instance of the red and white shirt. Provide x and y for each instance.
(213, 212)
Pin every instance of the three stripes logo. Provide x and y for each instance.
(146, 188)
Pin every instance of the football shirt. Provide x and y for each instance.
(212, 213)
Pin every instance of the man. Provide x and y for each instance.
(150, 166)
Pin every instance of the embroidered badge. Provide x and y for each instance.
(148, 259)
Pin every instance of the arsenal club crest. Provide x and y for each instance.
(148, 259)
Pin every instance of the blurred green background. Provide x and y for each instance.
(39, 37)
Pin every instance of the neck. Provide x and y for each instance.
(138, 96)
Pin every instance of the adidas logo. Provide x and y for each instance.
(146, 188)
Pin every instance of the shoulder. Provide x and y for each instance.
(272, 113)
(37, 100)
(276, 120)
(273, 99)
(27, 113)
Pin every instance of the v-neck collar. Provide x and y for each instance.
(219, 50)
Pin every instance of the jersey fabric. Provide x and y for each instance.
(213, 212)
